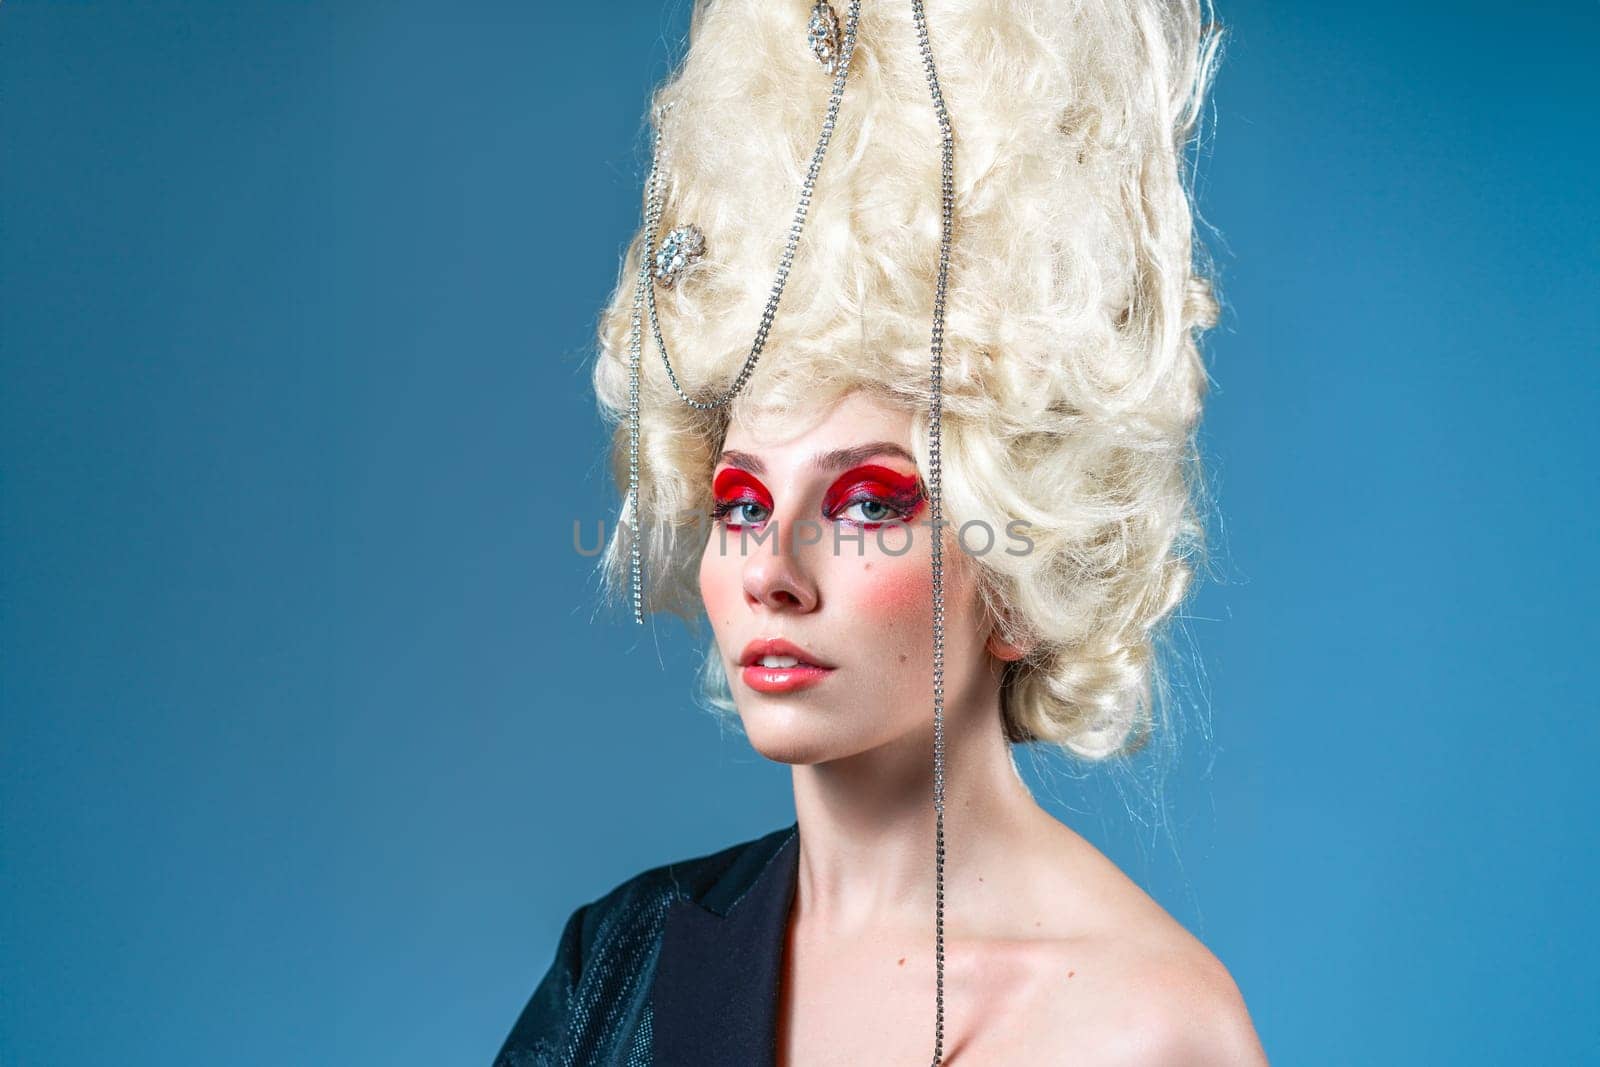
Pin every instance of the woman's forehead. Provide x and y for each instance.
(859, 418)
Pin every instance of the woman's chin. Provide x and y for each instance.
(794, 732)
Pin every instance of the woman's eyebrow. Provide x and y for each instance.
(826, 462)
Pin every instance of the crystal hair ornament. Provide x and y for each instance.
(680, 250)
(822, 32)
(644, 296)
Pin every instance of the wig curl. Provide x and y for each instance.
(1073, 380)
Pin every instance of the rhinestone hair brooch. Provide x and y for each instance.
(822, 32)
(679, 251)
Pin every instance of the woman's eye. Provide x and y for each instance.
(873, 511)
(740, 512)
(748, 512)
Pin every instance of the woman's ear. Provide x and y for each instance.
(1002, 649)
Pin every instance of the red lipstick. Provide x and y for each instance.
(805, 670)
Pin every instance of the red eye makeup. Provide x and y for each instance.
(896, 497)
(735, 489)
(874, 485)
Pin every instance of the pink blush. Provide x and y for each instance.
(888, 589)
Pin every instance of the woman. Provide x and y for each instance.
(1011, 173)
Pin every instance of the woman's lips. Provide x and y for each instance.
(783, 679)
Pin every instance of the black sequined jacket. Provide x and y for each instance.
(676, 967)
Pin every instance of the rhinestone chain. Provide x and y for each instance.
(947, 196)
(644, 295)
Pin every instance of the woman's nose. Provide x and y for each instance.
(777, 573)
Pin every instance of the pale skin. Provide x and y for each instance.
(1052, 955)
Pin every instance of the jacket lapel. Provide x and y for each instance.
(714, 998)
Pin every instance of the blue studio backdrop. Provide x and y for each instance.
(314, 731)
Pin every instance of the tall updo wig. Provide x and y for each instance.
(1073, 379)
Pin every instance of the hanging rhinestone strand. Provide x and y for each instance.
(645, 295)
(947, 196)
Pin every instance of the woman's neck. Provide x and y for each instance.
(867, 823)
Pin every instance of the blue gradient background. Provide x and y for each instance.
(312, 737)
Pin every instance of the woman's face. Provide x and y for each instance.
(816, 542)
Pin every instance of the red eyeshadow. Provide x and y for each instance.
(740, 486)
(876, 482)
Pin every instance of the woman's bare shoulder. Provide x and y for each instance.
(1179, 1006)
(1145, 990)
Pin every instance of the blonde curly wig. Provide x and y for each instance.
(1073, 379)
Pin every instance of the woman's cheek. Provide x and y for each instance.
(719, 580)
(888, 588)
